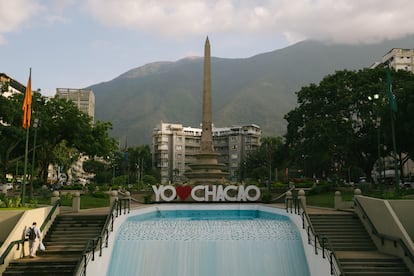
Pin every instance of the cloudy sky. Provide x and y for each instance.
(77, 43)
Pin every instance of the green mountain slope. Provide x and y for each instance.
(259, 89)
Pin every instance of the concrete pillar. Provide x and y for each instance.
(76, 202)
(112, 198)
(338, 200)
(55, 197)
(357, 192)
(302, 197)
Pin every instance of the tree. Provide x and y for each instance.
(335, 123)
(261, 163)
(65, 133)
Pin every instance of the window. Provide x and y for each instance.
(178, 147)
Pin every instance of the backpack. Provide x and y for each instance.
(32, 234)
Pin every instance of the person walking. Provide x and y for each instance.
(33, 232)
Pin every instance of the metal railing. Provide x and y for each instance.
(21, 241)
(383, 237)
(101, 240)
(319, 242)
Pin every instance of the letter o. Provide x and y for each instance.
(173, 193)
(252, 198)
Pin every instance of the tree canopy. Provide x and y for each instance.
(64, 132)
(339, 124)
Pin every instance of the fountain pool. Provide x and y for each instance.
(205, 240)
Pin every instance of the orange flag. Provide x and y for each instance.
(27, 103)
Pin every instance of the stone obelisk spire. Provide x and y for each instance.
(206, 134)
(206, 169)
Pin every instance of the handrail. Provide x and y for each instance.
(130, 197)
(9, 248)
(317, 239)
(407, 251)
(282, 195)
(21, 241)
(49, 216)
(88, 252)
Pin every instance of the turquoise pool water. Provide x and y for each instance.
(207, 243)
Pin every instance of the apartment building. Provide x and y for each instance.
(174, 147)
(84, 99)
(10, 86)
(400, 59)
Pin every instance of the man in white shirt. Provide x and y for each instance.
(33, 232)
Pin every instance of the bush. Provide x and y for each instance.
(322, 187)
(266, 197)
(99, 195)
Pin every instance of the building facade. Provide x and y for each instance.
(84, 99)
(10, 86)
(400, 59)
(174, 147)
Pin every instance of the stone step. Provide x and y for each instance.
(70, 225)
(349, 238)
(64, 242)
(72, 235)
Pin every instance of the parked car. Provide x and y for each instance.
(407, 185)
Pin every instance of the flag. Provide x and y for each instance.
(27, 103)
(391, 96)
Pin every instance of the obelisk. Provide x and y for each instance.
(207, 133)
(206, 169)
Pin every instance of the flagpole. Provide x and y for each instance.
(27, 112)
(26, 154)
(393, 111)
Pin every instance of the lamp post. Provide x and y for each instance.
(36, 124)
(377, 126)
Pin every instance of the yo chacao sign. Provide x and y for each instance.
(203, 193)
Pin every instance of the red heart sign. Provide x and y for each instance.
(183, 191)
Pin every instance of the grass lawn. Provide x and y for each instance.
(87, 201)
(327, 199)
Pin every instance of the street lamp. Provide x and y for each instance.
(36, 124)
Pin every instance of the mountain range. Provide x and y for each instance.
(255, 90)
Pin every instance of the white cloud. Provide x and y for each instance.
(13, 14)
(350, 21)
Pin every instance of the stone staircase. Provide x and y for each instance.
(64, 244)
(354, 247)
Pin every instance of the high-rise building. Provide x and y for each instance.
(10, 86)
(400, 59)
(174, 147)
(84, 99)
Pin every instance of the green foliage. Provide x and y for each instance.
(266, 196)
(320, 188)
(100, 194)
(334, 127)
(120, 180)
(149, 180)
(64, 133)
(260, 162)
(73, 187)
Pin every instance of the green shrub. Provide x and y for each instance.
(266, 197)
(320, 188)
(99, 195)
